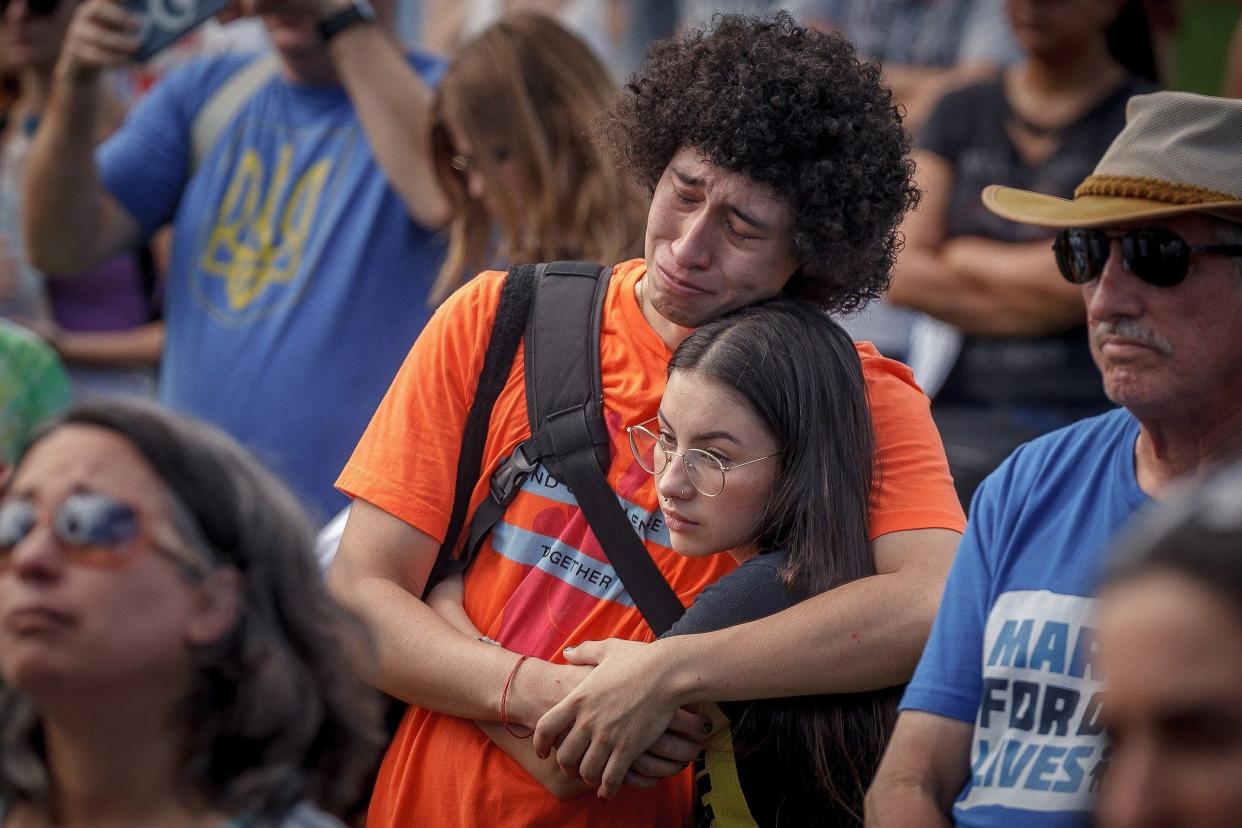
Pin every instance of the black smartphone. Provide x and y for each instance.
(166, 21)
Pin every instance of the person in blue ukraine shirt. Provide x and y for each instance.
(1004, 722)
(303, 244)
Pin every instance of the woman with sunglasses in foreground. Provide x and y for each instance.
(168, 655)
(762, 450)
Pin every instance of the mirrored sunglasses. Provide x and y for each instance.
(1156, 255)
(93, 528)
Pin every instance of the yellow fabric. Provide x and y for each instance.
(717, 781)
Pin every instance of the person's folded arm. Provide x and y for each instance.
(1015, 285)
(380, 568)
(983, 287)
(446, 600)
(922, 772)
(864, 635)
(380, 571)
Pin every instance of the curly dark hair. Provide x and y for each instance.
(791, 108)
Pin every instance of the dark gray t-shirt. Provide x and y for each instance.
(967, 129)
(750, 592)
(771, 764)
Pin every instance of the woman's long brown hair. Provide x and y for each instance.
(528, 91)
(800, 373)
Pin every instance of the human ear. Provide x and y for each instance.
(218, 610)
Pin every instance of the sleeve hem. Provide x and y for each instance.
(361, 484)
(910, 519)
(948, 705)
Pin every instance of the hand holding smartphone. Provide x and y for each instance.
(166, 21)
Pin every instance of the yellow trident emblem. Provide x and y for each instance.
(251, 246)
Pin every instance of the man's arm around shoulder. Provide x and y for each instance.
(865, 635)
(861, 636)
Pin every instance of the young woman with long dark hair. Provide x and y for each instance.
(762, 449)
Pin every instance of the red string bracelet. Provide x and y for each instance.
(504, 700)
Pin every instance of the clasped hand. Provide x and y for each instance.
(621, 724)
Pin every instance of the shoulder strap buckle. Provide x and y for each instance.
(562, 310)
(512, 472)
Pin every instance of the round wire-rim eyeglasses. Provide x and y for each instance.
(704, 470)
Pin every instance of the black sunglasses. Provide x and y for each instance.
(38, 8)
(1156, 255)
(93, 528)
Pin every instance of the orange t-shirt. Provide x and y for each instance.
(541, 582)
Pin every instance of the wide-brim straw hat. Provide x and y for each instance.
(1178, 153)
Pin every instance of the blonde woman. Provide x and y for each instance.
(512, 146)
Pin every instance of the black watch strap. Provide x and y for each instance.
(359, 11)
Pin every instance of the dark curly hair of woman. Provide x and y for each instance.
(794, 109)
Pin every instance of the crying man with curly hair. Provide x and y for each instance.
(777, 165)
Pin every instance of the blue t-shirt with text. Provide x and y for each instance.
(298, 280)
(1012, 647)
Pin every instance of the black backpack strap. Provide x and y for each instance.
(563, 380)
(514, 469)
(507, 329)
(567, 417)
(628, 555)
(565, 401)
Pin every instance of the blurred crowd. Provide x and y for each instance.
(911, 299)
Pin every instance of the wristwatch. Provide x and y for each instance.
(358, 11)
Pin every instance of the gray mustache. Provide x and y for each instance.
(1132, 329)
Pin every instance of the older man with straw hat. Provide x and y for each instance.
(1004, 719)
